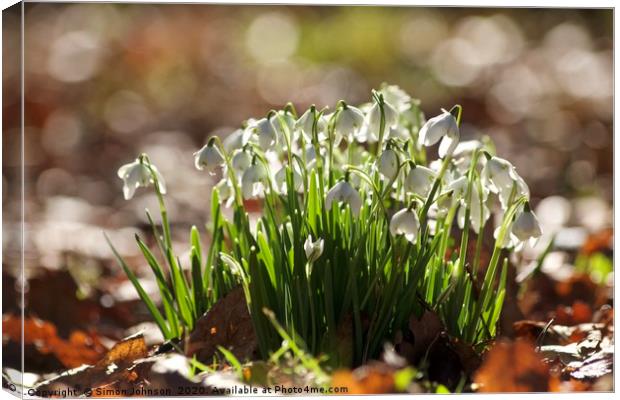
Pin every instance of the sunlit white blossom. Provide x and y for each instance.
(420, 180)
(225, 189)
(254, 181)
(306, 122)
(348, 122)
(442, 127)
(370, 131)
(208, 158)
(241, 160)
(313, 249)
(281, 183)
(526, 225)
(499, 173)
(343, 192)
(137, 174)
(479, 212)
(266, 133)
(388, 164)
(405, 222)
(397, 97)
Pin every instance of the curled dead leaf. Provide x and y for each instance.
(42, 337)
(227, 324)
(514, 367)
(374, 378)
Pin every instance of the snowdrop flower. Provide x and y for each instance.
(397, 97)
(233, 141)
(313, 249)
(498, 173)
(442, 127)
(526, 225)
(266, 133)
(398, 132)
(305, 124)
(510, 239)
(419, 180)
(458, 187)
(501, 177)
(241, 160)
(224, 187)
(463, 153)
(281, 180)
(348, 121)
(137, 174)
(372, 122)
(343, 192)
(388, 164)
(253, 181)
(479, 213)
(405, 222)
(209, 157)
(283, 116)
(442, 205)
(310, 155)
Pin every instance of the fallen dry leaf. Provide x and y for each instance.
(373, 378)
(513, 367)
(425, 330)
(600, 241)
(109, 370)
(227, 324)
(42, 337)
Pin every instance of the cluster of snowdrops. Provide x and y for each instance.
(357, 231)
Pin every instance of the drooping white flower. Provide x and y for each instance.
(420, 180)
(285, 118)
(254, 181)
(225, 189)
(280, 179)
(510, 240)
(248, 134)
(233, 141)
(520, 189)
(241, 160)
(137, 174)
(387, 164)
(208, 157)
(343, 192)
(442, 127)
(348, 122)
(479, 212)
(313, 249)
(526, 225)
(370, 131)
(399, 132)
(466, 148)
(396, 96)
(499, 173)
(458, 187)
(405, 222)
(305, 125)
(266, 133)
(441, 207)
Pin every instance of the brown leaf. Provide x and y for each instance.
(425, 330)
(125, 351)
(599, 241)
(227, 324)
(374, 378)
(109, 370)
(513, 367)
(41, 336)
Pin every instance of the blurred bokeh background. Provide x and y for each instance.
(104, 82)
